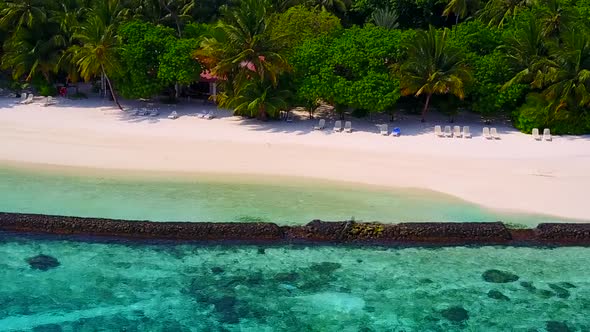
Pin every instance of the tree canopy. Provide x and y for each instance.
(528, 60)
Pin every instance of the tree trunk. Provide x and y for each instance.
(175, 16)
(456, 19)
(178, 26)
(111, 88)
(262, 113)
(103, 88)
(426, 107)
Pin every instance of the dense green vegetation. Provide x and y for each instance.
(529, 60)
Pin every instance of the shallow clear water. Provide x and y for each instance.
(133, 287)
(208, 199)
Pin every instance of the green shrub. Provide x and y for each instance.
(47, 90)
(535, 113)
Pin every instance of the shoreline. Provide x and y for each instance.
(315, 232)
(302, 183)
(514, 174)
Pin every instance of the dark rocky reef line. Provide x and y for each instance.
(345, 232)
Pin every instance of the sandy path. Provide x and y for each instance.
(514, 173)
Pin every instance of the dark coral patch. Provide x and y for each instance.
(43, 262)
(499, 277)
(455, 314)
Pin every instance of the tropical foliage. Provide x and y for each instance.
(524, 59)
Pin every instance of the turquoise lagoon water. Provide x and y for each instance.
(206, 198)
(165, 287)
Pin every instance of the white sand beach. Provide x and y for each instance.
(514, 173)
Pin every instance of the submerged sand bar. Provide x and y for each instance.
(515, 173)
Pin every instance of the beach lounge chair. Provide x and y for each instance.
(438, 131)
(321, 125)
(348, 127)
(23, 97)
(338, 125)
(486, 133)
(466, 132)
(536, 135)
(546, 134)
(173, 115)
(448, 132)
(289, 117)
(49, 101)
(154, 112)
(396, 132)
(209, 116)
(457, 132)
(28, 100)
(384, 130)
(494, 133)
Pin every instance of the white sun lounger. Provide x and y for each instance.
(448, 132)
(154, 112)
(546, 134)
(23, 97)
(457, 132)
(348, 127)
(28, 100)
(49, 101)
(209, 116)
(536, 135)
(338, 125)
(321, 125)
(173, 115)
(486, 133)
(466, 132)
(384, 129)
(494, 133)
(438, 131)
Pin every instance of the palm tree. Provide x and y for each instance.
(178, 11)
(385, 17)
(566, 83)
(555, 18)
(17, 14)
(333, 6)
(433, 66)
(147, 10)
(31, 52)
(98, 53)
(280, 6)
(257, 98)
(241, 46)
(68, 14)
(461, 8)
(496, 12)
(111, 12)
(527, 51)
